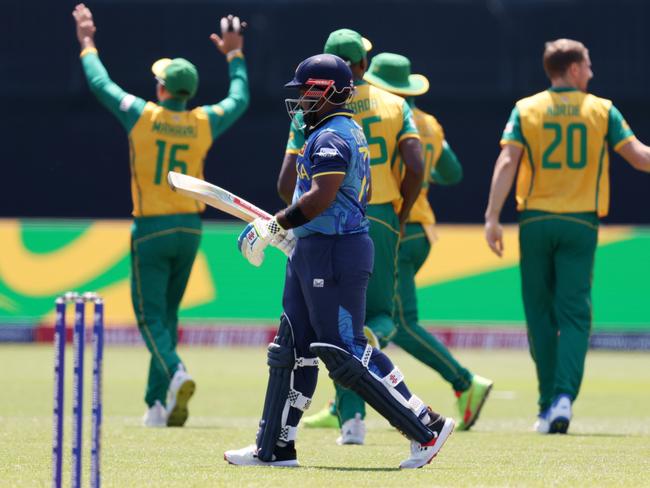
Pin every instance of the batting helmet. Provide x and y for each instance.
(321, 78)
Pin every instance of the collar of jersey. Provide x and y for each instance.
(562, 89)
(339, 111)
(173, 104)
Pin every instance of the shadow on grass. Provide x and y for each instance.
(343, 468)
(597, 434)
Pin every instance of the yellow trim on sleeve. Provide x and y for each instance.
(292, 151)
(510, 142)
(235, 53)
(88, 50)
(329, 173)
(408, 135)
(217, 109)
(623, 142)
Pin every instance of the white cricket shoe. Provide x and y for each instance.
(353, 431)
(247, 456)
(541, 425)
(422, 454)
(181, 389)
(559, 415)
(155, 416)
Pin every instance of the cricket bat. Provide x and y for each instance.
(214, 196)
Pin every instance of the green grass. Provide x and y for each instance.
(608, 445)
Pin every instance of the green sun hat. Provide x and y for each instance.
(178, 76)
(392, 72)
(348, 45)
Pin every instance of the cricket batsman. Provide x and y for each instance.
(324, 299)
(388, 124)
(165, 136)
(559, 139)
(392, 72)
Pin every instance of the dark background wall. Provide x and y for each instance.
(63, 155)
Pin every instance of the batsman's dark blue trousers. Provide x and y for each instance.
(325, 301)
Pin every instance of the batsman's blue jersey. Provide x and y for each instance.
(336, 146)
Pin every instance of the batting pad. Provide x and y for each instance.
(350, 372)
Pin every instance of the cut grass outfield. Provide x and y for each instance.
(608, 445)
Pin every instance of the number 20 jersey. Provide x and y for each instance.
(565, 134)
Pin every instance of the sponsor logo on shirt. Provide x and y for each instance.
(319, 283)
(327, 152)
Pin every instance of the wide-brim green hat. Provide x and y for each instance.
(392, 72)
(177, 75)
(348, 45)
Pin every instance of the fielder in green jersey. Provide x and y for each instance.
(392, 72)
(561, 136)
(166, 232)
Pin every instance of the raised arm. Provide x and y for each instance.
(231, 43)
(127, 108)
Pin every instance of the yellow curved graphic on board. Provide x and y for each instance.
(117, 296)
(462, 251)
(88, 256)
(93, 253)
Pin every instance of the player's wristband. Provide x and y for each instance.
(294, 216)
(235, 53)
(88, 50)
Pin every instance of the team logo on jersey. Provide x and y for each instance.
(319, 283)
(327, 152)
(509, 127)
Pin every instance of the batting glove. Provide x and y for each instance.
(257, 235)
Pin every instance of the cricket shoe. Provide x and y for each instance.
(283, 456)
(471, 401)
(541, 425)
(155, 416)
(181, 389)
(353, 432)
(422, 454)
(323, 419)
(559, 415)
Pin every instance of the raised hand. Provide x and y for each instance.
(85, 25)
(231, 34)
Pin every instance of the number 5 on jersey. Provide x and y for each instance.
(173, 164)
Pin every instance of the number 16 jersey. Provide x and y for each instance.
(565, 134)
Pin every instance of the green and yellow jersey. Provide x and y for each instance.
(166, 137)
(565, 134)
(440, 165)
(386, 120)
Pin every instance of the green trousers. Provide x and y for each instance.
(557, 259)
(384, 232)
(163, 249)
(410, 335)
